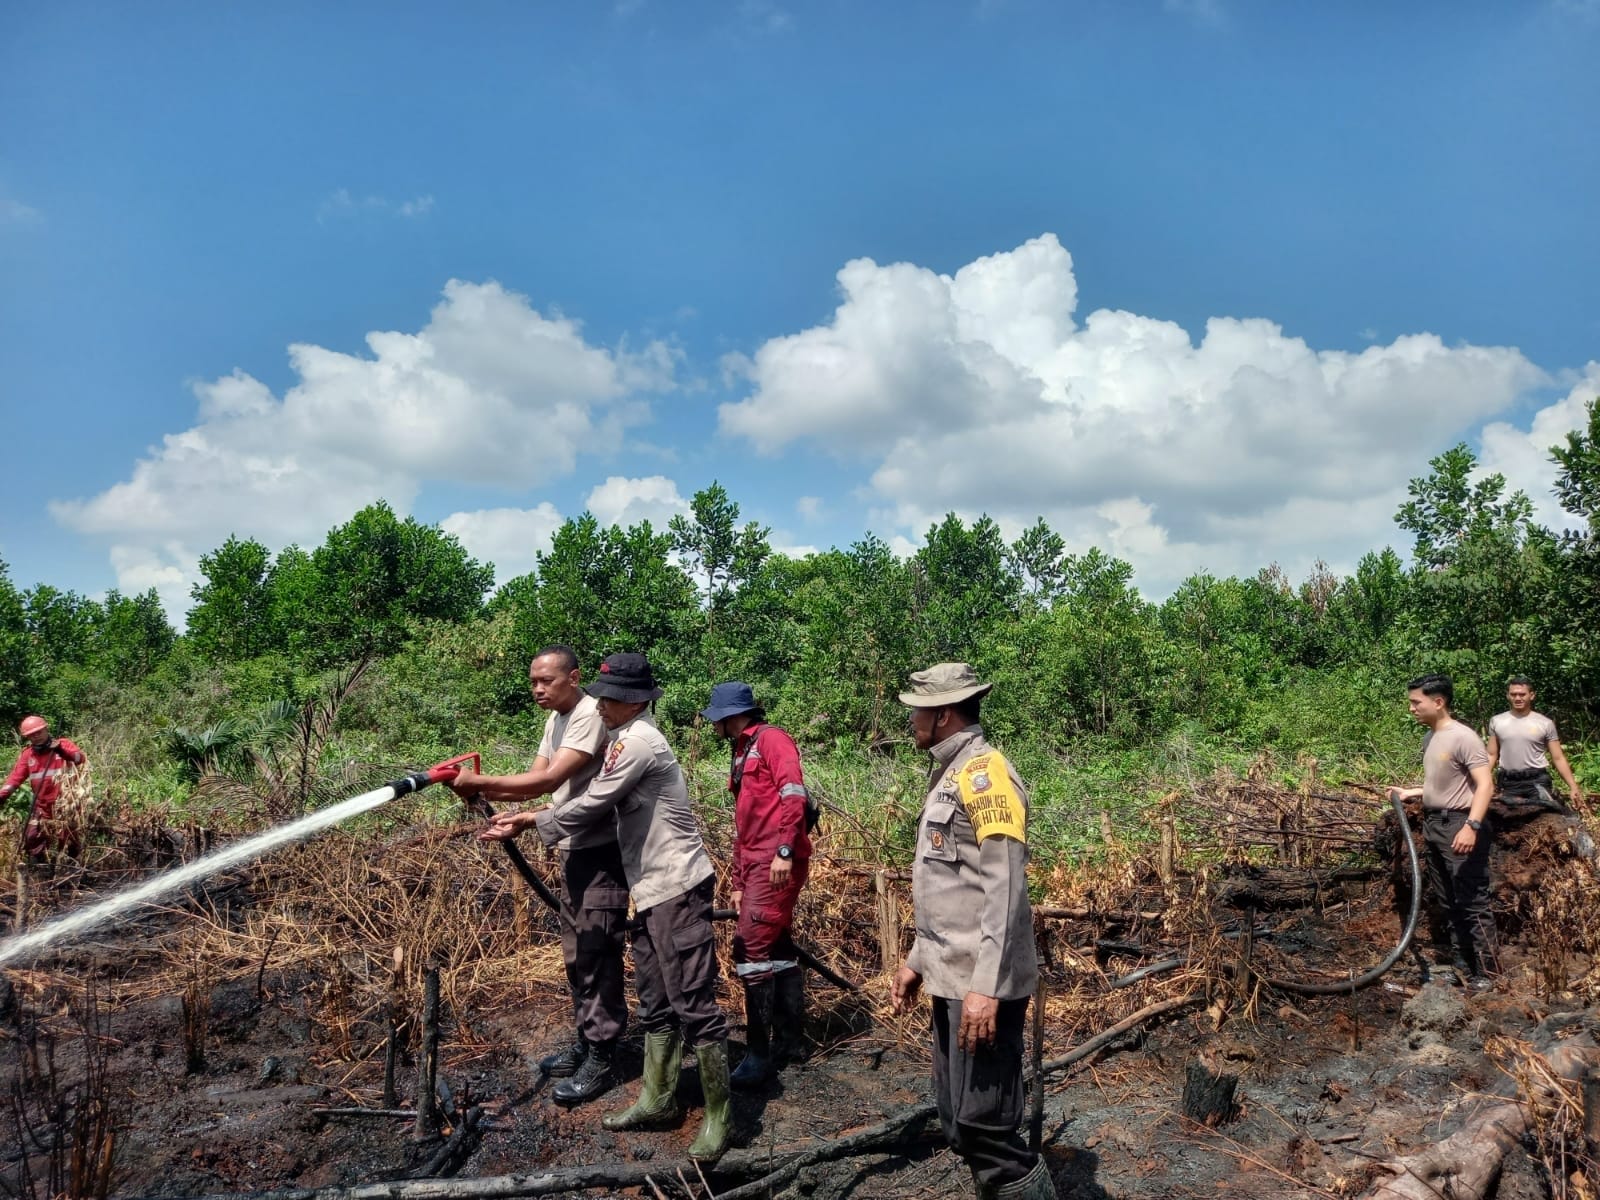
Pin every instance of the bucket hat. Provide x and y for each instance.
(730, 700)
(942, 684)
(625, 677)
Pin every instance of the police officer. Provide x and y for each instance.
(594, 890)
(771, 858)
(974, 950)
(672, 880)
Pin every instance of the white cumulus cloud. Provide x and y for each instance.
(626, 502)
(488, 391)
(510, 538)
(981, 392)
(1523, 455)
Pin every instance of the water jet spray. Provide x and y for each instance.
(112, 907)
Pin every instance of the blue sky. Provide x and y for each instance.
(1200, 282)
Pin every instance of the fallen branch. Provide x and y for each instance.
(893, 1130)
(1466, 1165)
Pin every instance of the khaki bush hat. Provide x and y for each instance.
(942, 684)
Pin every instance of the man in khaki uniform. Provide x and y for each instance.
(675, 967)
(1455, 792)
(974, 951)
(594, 890)
(1524, 745)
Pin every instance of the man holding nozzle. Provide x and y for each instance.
(642, 788)
(594, 889)
(771, 857)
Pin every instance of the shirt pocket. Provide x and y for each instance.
(938, 831)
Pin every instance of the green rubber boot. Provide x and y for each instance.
(658, 1098)
(713, 1137)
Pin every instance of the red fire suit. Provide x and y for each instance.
(770, 810)
(41, 767)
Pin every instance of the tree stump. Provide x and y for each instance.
(888, 923)
(1208, 1096)
(427, 1124)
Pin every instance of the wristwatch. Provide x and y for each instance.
(785, 851)
(1475, 826)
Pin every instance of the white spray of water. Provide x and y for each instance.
(114, 906)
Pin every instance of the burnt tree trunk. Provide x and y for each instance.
(1208, 1096)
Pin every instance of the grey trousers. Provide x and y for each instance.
(675, 968)
(980, 1095)
(594, 914)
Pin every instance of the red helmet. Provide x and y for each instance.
(32, 725)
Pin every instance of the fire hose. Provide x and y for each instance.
(1336, 987)
(479, 805)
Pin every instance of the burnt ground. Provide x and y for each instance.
(1328, 1087)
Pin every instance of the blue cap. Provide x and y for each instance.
(729, 700)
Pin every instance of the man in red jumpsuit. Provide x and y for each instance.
(40, 765)
(773, 816)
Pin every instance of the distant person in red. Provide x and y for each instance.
(40, 765)
(772, 818)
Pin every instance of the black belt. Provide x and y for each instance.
(1529, 775)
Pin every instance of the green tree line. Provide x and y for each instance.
(1082, 659)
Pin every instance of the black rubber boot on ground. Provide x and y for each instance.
(592, 1079)
(789, 1018)
(755, 1068)
(566, 1062)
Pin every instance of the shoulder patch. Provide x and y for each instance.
(613, 755)
(992, 803)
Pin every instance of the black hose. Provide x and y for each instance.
(1377, 972)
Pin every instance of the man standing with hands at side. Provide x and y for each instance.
(974, 952)
(1524, 744)
(1456, 790)
(771, 857)
(594, 891)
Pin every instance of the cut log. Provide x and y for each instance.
(1208, 1096)
(1466, 1165)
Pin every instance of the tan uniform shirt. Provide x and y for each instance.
(974, 923)
(1524, 740)
(641, 783)
(1448, 756)
(581, 730)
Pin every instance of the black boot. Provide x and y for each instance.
(756, 1067)
(565, 1062)
(592, 1079)
(789, 1017)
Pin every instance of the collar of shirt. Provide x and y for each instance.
(945, 752)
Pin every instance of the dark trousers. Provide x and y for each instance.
(675, 968)
(1528, 785)
(980, 1095)
(1460, 887)
(594, 914)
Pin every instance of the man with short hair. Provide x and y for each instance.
(771, 858)
(1456, 790)
(594, 890)
(974, 951)
(672, 880)
(1524, 745)
(40, 765)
